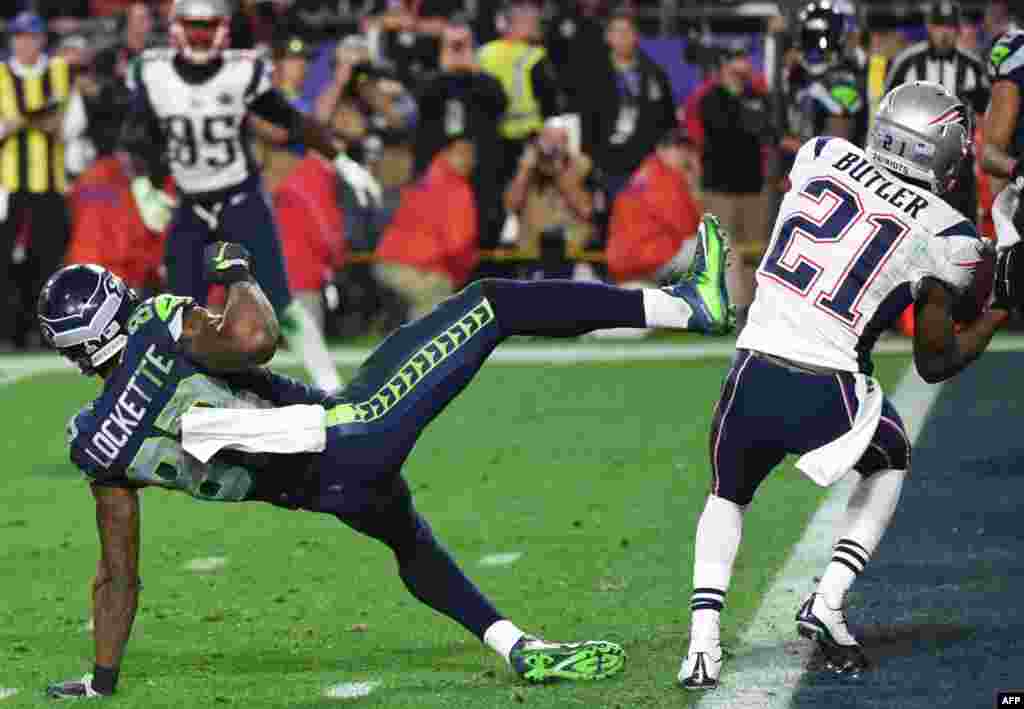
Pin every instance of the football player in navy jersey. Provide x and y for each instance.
(189, 115)
(826, 88)
(1004, 127)
(186, 405)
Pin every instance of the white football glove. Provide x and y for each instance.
(364, 184)
(155, 206)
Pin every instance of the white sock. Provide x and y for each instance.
(665, 311)
(718, 541)
(307, 341)
(502, 636)
(868, 514)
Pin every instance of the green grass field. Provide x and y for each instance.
(595, 473)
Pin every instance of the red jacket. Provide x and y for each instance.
(434, 228)
(311, 224)
(651, 218)
(106, 228)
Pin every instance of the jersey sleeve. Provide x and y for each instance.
(1006, 60)
(952, 257)
(260, 82)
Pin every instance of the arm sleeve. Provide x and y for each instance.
(260, 82)
(546, 88)
(272, 106)
(952, 257)
(276, 388)
(1006, 60)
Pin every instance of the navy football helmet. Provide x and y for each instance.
(821, 35)
(83, 313)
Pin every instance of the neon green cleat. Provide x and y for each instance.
(703, 286)
(538, 661)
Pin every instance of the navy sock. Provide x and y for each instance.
(433, 577)
(557, 308)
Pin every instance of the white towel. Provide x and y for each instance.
(832, 461)
(301, 428)
(1003, 209)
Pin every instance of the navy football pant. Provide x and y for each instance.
(414, 374)
(767, 410)
(241, 214)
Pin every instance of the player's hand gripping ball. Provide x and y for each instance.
(227, 262)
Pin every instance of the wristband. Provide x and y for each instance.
(104, 679)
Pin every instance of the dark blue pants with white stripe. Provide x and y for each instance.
(376, 420)
(767, 410)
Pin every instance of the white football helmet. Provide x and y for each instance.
(200, 29)
(922, 132)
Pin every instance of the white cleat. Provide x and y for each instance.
(700, 669)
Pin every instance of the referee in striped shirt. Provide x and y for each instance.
(939, 60)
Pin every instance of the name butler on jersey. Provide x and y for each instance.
(852, 243)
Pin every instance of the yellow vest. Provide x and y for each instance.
(511, 63)
(30, 160)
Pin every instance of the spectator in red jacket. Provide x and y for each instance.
(432, 246)
(311, 224)
(654, 219)
(107, 229)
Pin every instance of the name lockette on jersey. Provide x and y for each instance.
(130, 409)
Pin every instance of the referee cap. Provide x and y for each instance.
(943, 12)
(27, 23)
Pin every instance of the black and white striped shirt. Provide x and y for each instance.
(960, 72)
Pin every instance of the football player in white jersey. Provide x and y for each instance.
(190, 109)
(860, 235)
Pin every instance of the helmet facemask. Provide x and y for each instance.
(200, 39)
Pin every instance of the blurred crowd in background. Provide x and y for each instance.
(576, 139)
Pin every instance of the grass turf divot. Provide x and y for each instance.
(501, 559)
(209, 563)
(351, 690)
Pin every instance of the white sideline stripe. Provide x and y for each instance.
(501, 559)
(7, 692)
(208, 563)
(16, 367)
(351, 690)
(770, 660)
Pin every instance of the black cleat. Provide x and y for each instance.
(827, 626)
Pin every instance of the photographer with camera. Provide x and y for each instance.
(551, 195)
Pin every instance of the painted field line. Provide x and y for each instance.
(16, 367)
(351, 690)
(208, 563)
(501, 559)
(770, 659)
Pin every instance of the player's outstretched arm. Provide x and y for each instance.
(1000, 126)
(939, 350)
(115, 591)
(246, 334)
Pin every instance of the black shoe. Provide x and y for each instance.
(827, 626)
